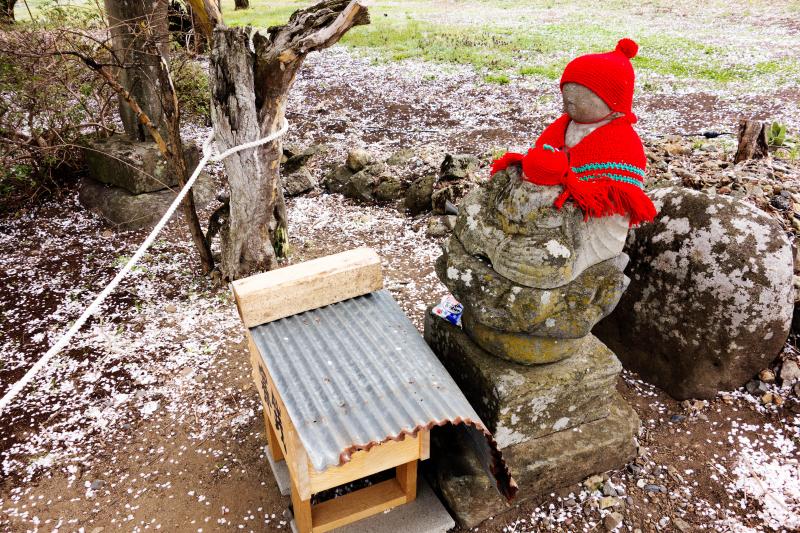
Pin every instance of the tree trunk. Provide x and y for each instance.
(752, 141)
(7, 11)
(206, 16)
(241, 4)
(136, 25)
(248, 102)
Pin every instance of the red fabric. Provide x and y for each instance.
(609, 75)
(614, 148)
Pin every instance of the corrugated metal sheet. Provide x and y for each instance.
(357, 373)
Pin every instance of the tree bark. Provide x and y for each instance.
(752, 141)
(206, 16)
(7, 11)
(248, 102)
(135, 26)
(241, 4)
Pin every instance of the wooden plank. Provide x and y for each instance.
(302, 511)
(407, 478)
(364, 463)
(275, 411)
(357, 505)
(272, 441)
(290, 290)
(424, 445)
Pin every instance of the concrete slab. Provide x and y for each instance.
(281, 473)
(426, 514)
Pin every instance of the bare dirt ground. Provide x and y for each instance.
(149, 419)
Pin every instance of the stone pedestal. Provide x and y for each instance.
(130, 184)
(555, 424)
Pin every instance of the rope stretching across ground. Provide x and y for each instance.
(95, 305)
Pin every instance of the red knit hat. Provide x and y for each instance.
(610, 76)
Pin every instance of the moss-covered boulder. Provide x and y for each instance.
(710, 300)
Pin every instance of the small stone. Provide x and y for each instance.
(777, 399)
(797, 389)
(170, 308)
(767, 398)
(641, 483)
(593, 482)
(781, 203)
(655, 489)
(608, 489)
(437, 227)
(677, 418)
(682, 524)
(401, 157)
(458, 166)
(608, 501)
(790, 372)
(612, 521)
(570, 502)
(755, 386)
(97, 484)
(662, 523)
(767, 376)
(107, 234)
(358, 159)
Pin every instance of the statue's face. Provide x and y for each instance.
(581, 104)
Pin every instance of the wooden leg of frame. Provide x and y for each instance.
(272, 440)
(407, 477)
(302, 511)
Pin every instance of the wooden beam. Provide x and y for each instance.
(290, 290)
(302, 511)
(272, 441)
(364, 463)
(357, 505)
(407, 478)
(424, 444)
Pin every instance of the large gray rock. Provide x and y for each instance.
(128, 211)
(521, 403)
(298, 182)
(135, 166)
(539, 466)
(458, 167)
(418, 195)
(569, 311)
(513, 223)
(710, 300)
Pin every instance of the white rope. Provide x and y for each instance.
(95, 305)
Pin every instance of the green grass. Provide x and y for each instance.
(415, 29)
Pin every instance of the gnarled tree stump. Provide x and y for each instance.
(251, 75)
(752, 141)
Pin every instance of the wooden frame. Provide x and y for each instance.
(262, 298)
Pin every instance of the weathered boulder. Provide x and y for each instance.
(445, 191)
(358, 159)
(513, 223)
(296, 159)
(418, 195)
(401, 157)
(338, 179)
(458, 167)
(710, 300)
(568, 311)
(128, 211)
(520, 403)
(298, 182)
(135, 166)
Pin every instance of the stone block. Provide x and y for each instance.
(127, 211)
(519, 403)
(137, 167)
(539, 466)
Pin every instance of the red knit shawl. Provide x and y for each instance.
(606, 174)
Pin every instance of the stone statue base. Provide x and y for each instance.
(556, 424)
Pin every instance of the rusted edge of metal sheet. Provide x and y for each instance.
(492, 461)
